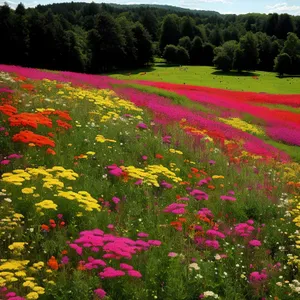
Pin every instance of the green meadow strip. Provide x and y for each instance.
(175, 98)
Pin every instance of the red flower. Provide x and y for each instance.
(52, 263)
(50, 151)
(27, 137)
(63, 124)
(8, 109)
(29, 119)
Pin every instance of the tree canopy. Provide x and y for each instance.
(91, 37)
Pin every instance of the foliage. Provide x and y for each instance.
(68, 35)
(129, 195)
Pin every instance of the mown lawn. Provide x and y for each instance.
(257, 81)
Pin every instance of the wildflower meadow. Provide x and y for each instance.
(139, 190)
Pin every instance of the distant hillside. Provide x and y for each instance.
(56, 7)
(169, 8)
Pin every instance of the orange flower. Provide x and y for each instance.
(27, 136)
(194, 170)
(63, 124)
(211, 187)
(184, 183)
(159, 156)
(177, 225)
(80, 266)
(27, 86)
(50, 151)
(52, 263)
(51, 134)
(45, 227)
(20, 78)
(182, 220)
(29, 119)
(64, 252)
(52, 223)
(8, 109)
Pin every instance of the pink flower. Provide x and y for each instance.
(116, 199)
(144, 157)
(5, 162)
(134, 273)
(166, 139)
(256, 277)
(227, 198)
(142, 126)
(166, 184)
(60, 216)
(77, 248)
(14, 156)
(255, 243)
(154, 242)
(110, 226)
(10, 294)
(205, 212)
(176, 208)
(199, 195)
(100, 293)
(216, 233)
(64, 260)
(138, 182)
(142, 234)
(126, 267)
(172, 254)
(115, 170)
(111, 273)
(212, 244)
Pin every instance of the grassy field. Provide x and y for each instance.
(122, 191)
(258, 81)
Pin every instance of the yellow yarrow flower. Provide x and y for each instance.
(28, 191)
(32, 295)
(46, 204)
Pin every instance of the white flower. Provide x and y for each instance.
(210, 294)
(194, 266)
(218, 257)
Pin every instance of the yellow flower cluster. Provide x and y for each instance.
(196, 131)
(52, 175)
(109, 106)
(102, 139)
(291, 171)
(217, 177)
(51, 179)
(84, 198)
(175, 151)
(46, 204)
(9, 221)
(17, 247)
(17, 177)
(150, 174)
(242, 125)
(17, 271)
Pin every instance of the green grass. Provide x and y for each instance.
(281, 107)
(268, 82)
(175, 98)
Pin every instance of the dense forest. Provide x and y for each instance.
(99, 38)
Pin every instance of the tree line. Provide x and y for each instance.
(103, 37)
